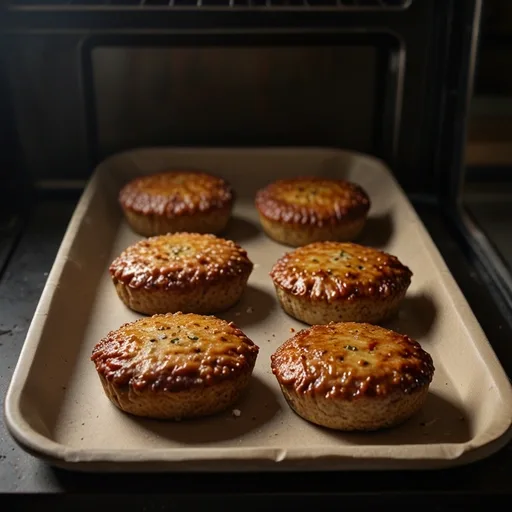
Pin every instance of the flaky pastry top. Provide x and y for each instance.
(179, 261)
(312, 201)
(174, 352)
(176, 193)
(340, 270)
(350, 360)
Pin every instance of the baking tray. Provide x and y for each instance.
(57, 410)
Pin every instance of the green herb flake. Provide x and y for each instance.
(192, 337)
(175, 340)
(344, 255)
(351, 347)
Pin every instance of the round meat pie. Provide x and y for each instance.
(187, 272)
(175, 366)
(173, 201)
(300, 211)
(340, 282)
(353, 376)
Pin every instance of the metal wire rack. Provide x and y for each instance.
(352, 5)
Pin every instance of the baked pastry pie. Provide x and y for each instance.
(175, 366)
(187, 272)
(300, 211)
(340, 282)
(173, 201)
(353, 376)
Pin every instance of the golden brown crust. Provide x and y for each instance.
(312, 201)
(298, 236)
(363, 309)
(363, 414)
(176, 194)
(351, 360)
(180, 261)
(205, 300)
(177, 405)
(174, 352)
(330, 271)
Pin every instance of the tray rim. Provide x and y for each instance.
(60, 455)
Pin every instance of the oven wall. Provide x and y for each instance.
(362, 96)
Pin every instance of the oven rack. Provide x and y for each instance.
(98, 5)
(150, 16)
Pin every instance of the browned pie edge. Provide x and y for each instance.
(112, 359)
(178, 276)
(297, 366)
(394, 277)
(220, 196)
(278, 210)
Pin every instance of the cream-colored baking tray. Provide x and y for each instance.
(56, 408)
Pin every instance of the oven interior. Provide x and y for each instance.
(486, 194)
(83, 79)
